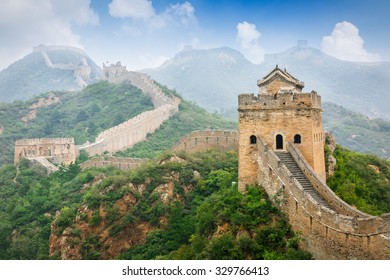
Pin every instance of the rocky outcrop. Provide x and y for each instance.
(51, 98)
(108, 229)
(108, 236)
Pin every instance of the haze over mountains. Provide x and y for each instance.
(47, 68)
(215, 77)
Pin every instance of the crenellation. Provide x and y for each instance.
(279, 101)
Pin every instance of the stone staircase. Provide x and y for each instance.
(293, 167)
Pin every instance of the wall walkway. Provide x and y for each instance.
(134, 130)
(336, 232)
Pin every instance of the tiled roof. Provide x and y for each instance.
(282, 73)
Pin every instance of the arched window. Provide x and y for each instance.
(279, 142)
(297, 139)
(253, 139)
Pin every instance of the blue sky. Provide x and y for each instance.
(144, 33)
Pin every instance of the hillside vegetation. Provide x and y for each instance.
(356, 131)
(362, 180)
(81, 115)
(186, 206)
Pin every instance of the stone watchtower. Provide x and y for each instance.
(280, 114)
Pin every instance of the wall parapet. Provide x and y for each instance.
(328, 234)
(340, 205)
(37, 141)
(281, 100)
(201, 140)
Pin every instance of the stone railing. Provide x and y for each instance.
(327, 234)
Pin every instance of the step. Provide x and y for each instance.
(293, 167)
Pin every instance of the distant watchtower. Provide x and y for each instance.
(280, 113)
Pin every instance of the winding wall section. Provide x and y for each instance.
(134, 130)
(342, 233)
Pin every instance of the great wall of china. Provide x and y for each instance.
(330, 228)
(195, 141)
(81, 72)
(130, 132)
(116, 138)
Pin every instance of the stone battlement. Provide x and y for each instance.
(281, 100)
(116, 73)
(225, 140)
(44, 141)
(125, 135)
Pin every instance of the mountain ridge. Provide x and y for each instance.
(47, 68)
(201, 76)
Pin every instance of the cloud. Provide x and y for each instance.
(131, 8)
(76, 11)
(24, 24)
(177, 14)
(345, 43)
(185, 12)
(248, 37)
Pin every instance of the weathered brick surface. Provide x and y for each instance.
(225, 140)
(118, 162)
(59, 150)
(282, 109)
(341, 232)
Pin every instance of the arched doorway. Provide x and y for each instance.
(279, 142)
